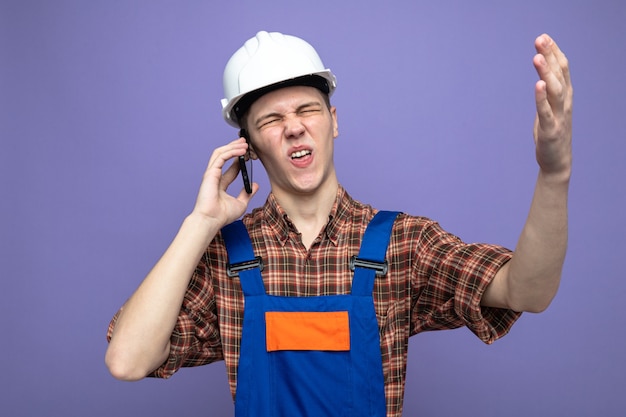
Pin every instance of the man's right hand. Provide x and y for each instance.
(213, 202)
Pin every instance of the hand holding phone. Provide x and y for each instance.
(246, 174)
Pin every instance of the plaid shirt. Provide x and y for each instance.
(434, 282)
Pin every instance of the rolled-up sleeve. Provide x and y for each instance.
(195, 339)
(449, 280)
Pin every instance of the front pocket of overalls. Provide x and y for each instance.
(310, 364)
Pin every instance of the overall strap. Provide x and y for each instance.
(241, 259)
(371, 259)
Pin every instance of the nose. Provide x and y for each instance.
(294, 127)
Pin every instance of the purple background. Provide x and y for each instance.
(110, 110)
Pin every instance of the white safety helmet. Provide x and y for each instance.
(267, 62)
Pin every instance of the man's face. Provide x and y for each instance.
(292, 131)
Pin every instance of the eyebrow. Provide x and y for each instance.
(277, 114)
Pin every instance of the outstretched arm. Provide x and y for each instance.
(530, 280)
(140, 340)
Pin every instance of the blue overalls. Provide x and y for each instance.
(310, 356)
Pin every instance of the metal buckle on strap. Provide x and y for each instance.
(232, 270)
(379, 267)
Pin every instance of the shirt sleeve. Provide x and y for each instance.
(449, 280)
(195, 339)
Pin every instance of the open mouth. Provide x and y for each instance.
(300, 154)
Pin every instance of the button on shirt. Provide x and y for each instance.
(434, 282)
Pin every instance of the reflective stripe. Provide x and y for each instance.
(308, 330)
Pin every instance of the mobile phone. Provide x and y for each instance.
(242, 163)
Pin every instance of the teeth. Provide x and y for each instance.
(300, 154)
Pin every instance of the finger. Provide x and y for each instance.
(557, 62)
(563, 62)
(554, 86)
(545, 46)
(230, 174)
(244, 197)
(545, 114)
(224, 153)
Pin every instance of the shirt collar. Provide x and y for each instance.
(280, 225)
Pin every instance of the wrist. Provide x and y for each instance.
(556, 178)
(202, 226)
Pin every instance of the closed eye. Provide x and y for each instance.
(269, 122)
(308, 110)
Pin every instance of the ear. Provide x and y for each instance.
(246, 135)
(333, 114)
(253, 154)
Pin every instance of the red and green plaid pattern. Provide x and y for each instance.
(434, 282)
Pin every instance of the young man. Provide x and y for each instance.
(306, 336)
